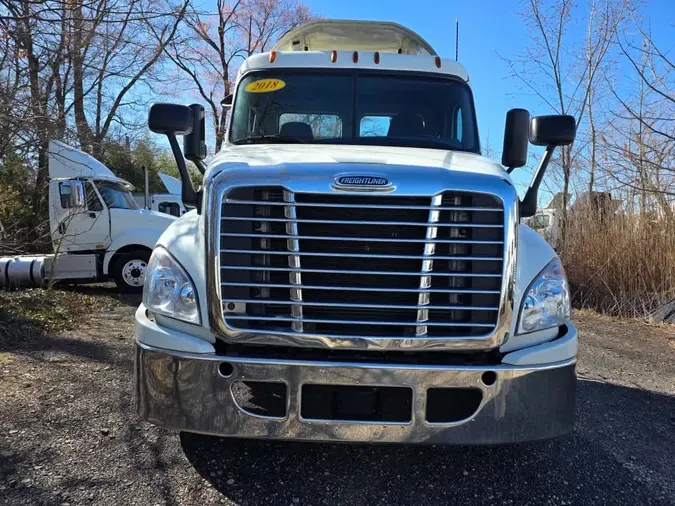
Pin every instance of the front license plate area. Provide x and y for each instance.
(356, 403)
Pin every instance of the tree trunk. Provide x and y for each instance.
(84, 133)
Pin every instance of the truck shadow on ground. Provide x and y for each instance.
(619, 453)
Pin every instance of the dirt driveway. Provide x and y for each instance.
(68, 435)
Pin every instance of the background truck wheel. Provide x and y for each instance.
(129, 271)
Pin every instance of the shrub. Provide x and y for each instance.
(620, 264)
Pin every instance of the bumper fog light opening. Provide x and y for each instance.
(489, 378)
(225, 369)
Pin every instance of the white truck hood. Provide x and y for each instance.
(173, 185)
(276, 154)
(66, 162)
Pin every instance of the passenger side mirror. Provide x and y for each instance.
(554, 130)
(194, 143)
(516, 131)
(550, 131)
(77, 199)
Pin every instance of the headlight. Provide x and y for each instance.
(168, 289)
(547, 301)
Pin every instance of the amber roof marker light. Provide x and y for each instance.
(355, 57)
(333, 56)
(438, 61)
(376, 57)
(273, 56)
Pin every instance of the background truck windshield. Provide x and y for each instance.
(354, 108)
(116, 196)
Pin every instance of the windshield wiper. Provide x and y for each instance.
(270, 138)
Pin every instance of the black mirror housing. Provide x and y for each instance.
(170, 119)
(194, 143)
(553, 130)
(516, 130)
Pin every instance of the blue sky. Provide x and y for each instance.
(488, 29)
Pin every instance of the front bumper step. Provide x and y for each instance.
(202, 393)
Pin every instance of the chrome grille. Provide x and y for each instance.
(361, 265)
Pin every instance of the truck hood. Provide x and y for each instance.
(144, 218)
(278, 154)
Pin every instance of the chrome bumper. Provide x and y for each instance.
(188, 392)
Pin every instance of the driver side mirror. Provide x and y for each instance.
(170, 119)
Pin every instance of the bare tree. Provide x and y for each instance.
(639, 147)
(70, 67)
(563, 72)
(113, 46)
(211, 47)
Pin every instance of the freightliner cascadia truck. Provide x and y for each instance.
(354, 269)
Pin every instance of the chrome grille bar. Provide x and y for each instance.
(355, 322)
(361, 288)
(363, 222)
(357, 305)
(361, 239)
(294, 276)
(379, 273)
(340, 255)
(364, 206)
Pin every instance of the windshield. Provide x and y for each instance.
(116, 196)
(384, 109)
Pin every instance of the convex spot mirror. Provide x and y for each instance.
(170, 119)
(194, 143)
(514, 153)
(553, 130)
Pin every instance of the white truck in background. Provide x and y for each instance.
(168, 203)
(547, 224)
(97, 229)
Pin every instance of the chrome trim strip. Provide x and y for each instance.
(424, 298)
(294, 276)
(316, 178)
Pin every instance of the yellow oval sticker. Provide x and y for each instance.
(265, 85)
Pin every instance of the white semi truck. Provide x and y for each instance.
(354, 269)
(97, 229)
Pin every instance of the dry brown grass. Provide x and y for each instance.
(620, 265)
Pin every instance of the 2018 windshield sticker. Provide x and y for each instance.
(265, 85)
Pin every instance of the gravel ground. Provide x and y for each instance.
(68, 435)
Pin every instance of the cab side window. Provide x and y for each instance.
(64, 193)
(93, 202)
